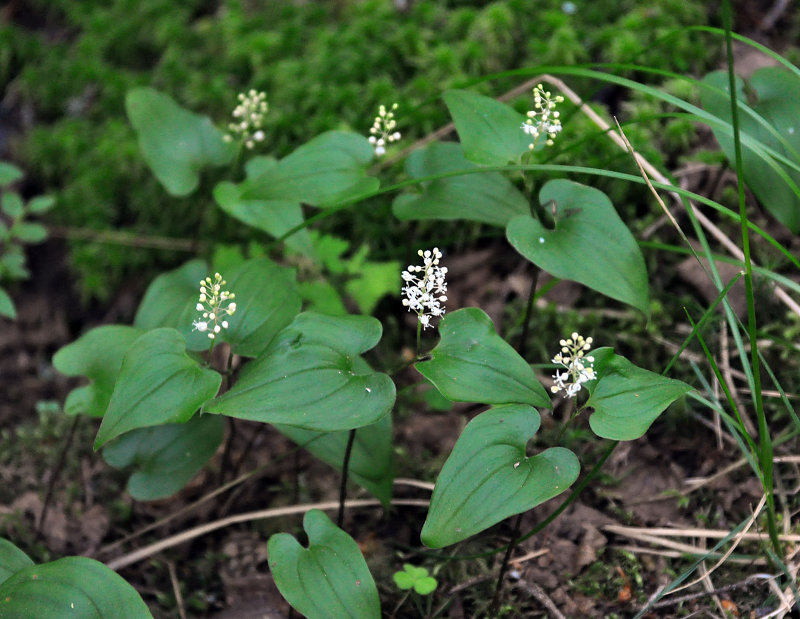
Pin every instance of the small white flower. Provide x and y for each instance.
(383, 130)
(578, 367)
(251, 110)
(215, 304)
(424, 295)
(543, 118)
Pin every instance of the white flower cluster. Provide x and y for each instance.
(543, 118)
(426, 293)
(382, 130)
(215, 304)
(578, 367)
(249, 115)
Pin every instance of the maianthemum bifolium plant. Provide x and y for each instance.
(162, 397)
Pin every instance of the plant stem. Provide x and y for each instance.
(504, 566)
(765, 440)
(345, 465)
(522, 344)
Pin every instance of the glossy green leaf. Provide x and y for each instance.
(157, 383)
(627, 399)
(97, 355)
(329, 578)
(472, 363)
(777, 100)
(326, 171)
(490, 131)
(166, 457)
(275, 217)
(170, 299)
(371, 459)
(309, 377)
(70, 587)
(7, 305)
(175, 142)
(266, 301)
(590, 244)
(488, 476)
(12, 559)
(9, 173)
(486, 197)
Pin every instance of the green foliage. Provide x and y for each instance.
(472, 363)
(176, 144)
(158, 383)
(329, 578)
(16, 231)
(319, 64)
(165, 457)
(627, 399)
(589, 243)
(417, 578)
(489, 477)
(772, 123)
(312, 377)
(70, 586)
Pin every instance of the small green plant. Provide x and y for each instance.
(162, 393)
(16, 231)
(416, 579)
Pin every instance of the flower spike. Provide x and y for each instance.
(215, 304)
(578, 367)
(248, 118)
(424, 295)
(543, 118)
(382, 130)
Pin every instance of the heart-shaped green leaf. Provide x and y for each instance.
(329, 578)
(308, 377)
(486, 197)
(488, 476)
(97, 355)
(589, 244)
(170, 296)
(7, 305)
(266, 301)
(165, 457)
(12, 560)
(627, 399)
(158, 383)
(371, 460)
(175, 143)
(490, 131)
(275, 217)
(326, 171)
(70, 587)
(472, 363)
(777, 93)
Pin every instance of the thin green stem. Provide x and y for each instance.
(765, 440)
(504, 565)
(345, 466)
(522, 345)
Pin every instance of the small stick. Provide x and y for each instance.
(54, 476)
(176, 588)
(537, 592)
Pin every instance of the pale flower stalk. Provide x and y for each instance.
(215, 305)
(578, 367)
(426, 288)
(383, 130)
(543, 119)
(248, 118)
